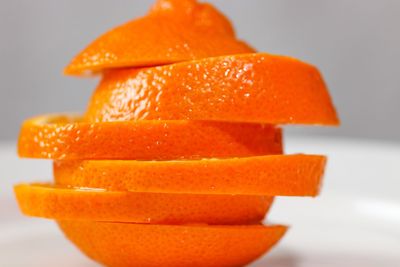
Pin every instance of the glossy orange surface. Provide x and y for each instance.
(178, 156)
(258, 88)
(67, 137)
(124, 244)
(279, 175)
(173, 31)
(44, 200)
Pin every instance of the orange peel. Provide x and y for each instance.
(173, 31)
(124, 244)
(65, 137)
(45, 200)
(275, 175)
(253, 88)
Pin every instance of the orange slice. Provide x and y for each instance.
(173, 31)
(124, 244)
(259, 88)
(68, 137)
(44, 200)
(280, 175)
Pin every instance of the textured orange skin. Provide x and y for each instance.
(279, 175)
(122, 244)
(67, 137)
(44, 200)
(258, 88)
(173, 31)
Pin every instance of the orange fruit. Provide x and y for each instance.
(61, 203)
(178, 157)
(257, 88)
(68, 137)
(173, 31)
(144, 245)
(289, 175)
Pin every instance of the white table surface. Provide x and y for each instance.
(355, 222)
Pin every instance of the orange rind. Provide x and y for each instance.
(275, 175)
(45, 200)
(253, 88)
(65, 137)
(125, 244)
(173, 31)
(178, 156)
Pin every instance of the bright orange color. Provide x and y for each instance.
(178, 157)
(124, 244)
(44, 200)
(67, 137)
(258, 88)
(173, 31)
(278, 175)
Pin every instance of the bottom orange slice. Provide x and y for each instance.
(44, 200)
(146, 245)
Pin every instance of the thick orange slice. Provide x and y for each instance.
(44, 200)
(67, 137)
(124, 244)
(174, 30)
(259, 88)
(279, 175)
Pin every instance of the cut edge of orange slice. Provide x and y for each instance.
(122, 244)
(274, 175)
(61, 203)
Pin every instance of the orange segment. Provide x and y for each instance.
(122, 244)
(173, 31)
(289, 175)
(259, 88)
(67, 137)
(44, 200)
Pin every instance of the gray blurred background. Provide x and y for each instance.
(355, 43)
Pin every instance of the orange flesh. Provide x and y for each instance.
(44, 200)
(173, 31)
(257, 88)
(65, 137)
(278, 175)
(124, 244)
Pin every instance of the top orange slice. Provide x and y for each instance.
(173, 31)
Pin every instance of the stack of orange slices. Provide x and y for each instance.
(179, 155)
